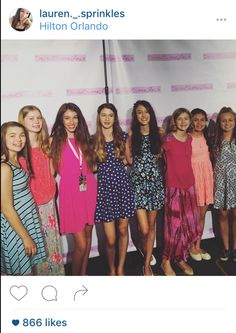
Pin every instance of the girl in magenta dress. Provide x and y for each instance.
(43, 188)
(203, 174)
(72, 160)
(181, 212)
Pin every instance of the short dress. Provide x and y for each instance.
(181, 227)
(146, 178)
(202, 170)
(225, 176)
(76, 208)
(14, 261)
(115, 198)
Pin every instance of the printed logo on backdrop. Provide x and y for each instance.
(191, 87)
(169, 56)
(219, 55)
(9, 58)
(60, 57)
(231, 85)
(118, 58)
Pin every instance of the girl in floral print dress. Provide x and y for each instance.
(225, 178)
(43, 188)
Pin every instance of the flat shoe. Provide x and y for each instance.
(196, 257)
(205, 256)
(169, 273)
(187, 271)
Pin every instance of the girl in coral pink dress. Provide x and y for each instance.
(72, 160)
(43, 188)
(203, 174)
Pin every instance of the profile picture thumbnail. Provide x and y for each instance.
(21, 19)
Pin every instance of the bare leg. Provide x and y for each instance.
(224, 227)
(202, 213)
(123, 244)
(110, 234)
(142, 220)
(88, 233)
(234, 227)
(150, 241)
(79, 252)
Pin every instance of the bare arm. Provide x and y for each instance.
(9, 211)
(128, 153)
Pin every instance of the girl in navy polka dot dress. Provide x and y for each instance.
(115, 198)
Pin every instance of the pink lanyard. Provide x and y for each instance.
(80, 157)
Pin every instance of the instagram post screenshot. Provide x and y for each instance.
(118, 166)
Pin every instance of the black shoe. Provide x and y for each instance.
(234, 255)
(225, 255)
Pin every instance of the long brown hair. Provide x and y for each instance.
(24, 152)
(43, 136)
(99, 139)
(59, 136)
(219, 133)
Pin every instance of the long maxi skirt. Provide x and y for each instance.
(181, 226)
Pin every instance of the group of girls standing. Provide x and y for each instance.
(30, 159)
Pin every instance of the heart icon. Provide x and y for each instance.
(18, 292)
(15, 322)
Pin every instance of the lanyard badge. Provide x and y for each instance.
(82, 178)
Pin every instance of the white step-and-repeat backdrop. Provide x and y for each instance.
(167, 73)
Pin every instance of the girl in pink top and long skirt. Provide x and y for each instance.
(181, 212)
(43, 188)
(72, 160)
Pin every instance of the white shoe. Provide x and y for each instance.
(153, 259)
(196, 257)
(205, 256)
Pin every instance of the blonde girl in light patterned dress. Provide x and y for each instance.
(43, 188)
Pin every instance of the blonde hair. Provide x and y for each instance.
(43, 136)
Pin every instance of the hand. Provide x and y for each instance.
(30, 246)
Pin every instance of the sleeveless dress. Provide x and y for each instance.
(76, 208)
(14, 261)
(202, 170)
(115, 198)
(146, 179)
(225, 176)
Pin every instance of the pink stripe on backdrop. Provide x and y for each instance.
(219, 55)
(9, 58)
(137, 90)
(118, 57)
(231, 85)
(191, 87)
(125, 122)
(26, 93)
(85, 91)
(169, 56)
(60, 57)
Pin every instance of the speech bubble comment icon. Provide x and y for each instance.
(18, 292)
(49, 293)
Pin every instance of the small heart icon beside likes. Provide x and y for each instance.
(15, 322)
(18, 292)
